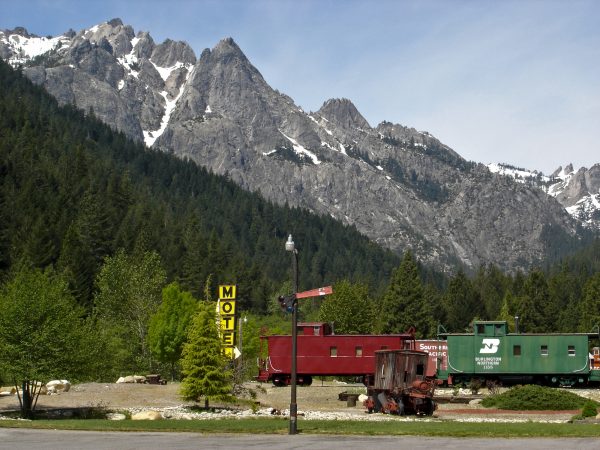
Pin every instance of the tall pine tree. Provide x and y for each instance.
(404, 305)
(205, 369)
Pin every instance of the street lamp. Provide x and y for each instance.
(290, 247)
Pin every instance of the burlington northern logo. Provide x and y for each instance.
(490, 345)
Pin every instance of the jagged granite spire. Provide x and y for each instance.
(342, 112)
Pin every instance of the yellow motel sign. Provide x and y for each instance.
(226, 320)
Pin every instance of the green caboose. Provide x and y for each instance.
(492, 353)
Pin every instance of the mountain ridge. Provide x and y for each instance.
(401, 187)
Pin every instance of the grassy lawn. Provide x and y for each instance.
(280, 426)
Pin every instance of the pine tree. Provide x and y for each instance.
(538, 314)
(506, 311)
(590, 306)
(205, 369)
(404, 305)
(193, 266)
(461, 303)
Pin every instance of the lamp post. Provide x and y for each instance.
(290, 247)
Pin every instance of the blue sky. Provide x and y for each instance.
(498, 81)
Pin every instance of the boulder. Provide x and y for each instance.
(132, 379)
(58, 386)
(7, 390)
(127, 379)
(147, 415)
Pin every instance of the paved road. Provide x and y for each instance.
(83, 440)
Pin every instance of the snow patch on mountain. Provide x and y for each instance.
(25, 48)
(300, 150)
(575, 190)
(520, 175)
(150, 136)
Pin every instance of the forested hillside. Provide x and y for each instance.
(73, 191)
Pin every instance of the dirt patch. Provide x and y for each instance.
(321, 396)
(109, 395)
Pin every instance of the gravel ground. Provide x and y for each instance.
(319, 401)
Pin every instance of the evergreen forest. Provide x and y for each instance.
(114, 246)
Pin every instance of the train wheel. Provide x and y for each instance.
(279, 381)
(307, 381)
(430, 407)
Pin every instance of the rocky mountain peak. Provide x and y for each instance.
(171, 52)
(20, 31)
(226, 49)
(119, 36)
(561, 173)
(144, 45)
(343, 113)
(400, 186)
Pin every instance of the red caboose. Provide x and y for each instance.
(322, 353)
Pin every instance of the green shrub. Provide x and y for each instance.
(536, 398)
(590, 409)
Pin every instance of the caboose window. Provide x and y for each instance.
(358, 351)
(420, 370)
(544, 350)
(317, 330)
(571, 350)
(480, 328)
(332, 351)
(516, 350)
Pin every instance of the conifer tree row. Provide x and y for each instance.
(78, 191)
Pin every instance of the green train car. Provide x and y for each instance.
(492, 353)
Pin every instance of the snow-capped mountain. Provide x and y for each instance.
(401, 187)
(136, 82)
(578, 191)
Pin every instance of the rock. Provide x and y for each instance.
(362, 397)
(132, 379)
(147, 415)
(58, 386)
(475, 402)
(116, 416)
(8, 390)
(127, 379)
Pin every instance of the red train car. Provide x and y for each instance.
(320, 352)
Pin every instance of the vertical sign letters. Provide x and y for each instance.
(226, 312)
